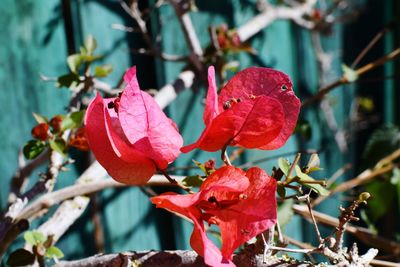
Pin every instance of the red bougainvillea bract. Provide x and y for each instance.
(241, 203)
(257, 108)
(130, 135)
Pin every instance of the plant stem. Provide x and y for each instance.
(174, 182)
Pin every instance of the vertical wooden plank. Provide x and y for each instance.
(33, 43)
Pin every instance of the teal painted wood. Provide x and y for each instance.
(33, 43)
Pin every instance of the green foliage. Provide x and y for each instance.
(20, 257)
(381, 202)
(193, 181)
(73, 120)
(54, 252)
(33, 148)
(285, 212)
(201, 167)
(34, 238)
(75, 61)
(41, 248)
(40, 118)
(103, 70)
(382, 142)
(68, 80)
(303, 128)
(284, 165)
(58, 145)
(304, 178)
(313, 164)
(79, 65)
(350, 74)
(90, 44)
(281, 190)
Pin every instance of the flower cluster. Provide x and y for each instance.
(132, 138)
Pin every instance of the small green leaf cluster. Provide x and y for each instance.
(196, 180)
(49, 133)
(79, 65)
(301, 176)
(42, 249)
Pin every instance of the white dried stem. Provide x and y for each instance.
(271, 14)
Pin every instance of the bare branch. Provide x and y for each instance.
(21, 175)
(270, 14)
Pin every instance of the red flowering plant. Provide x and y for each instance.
(257, 108)
(132, 138)
(241, 203)
(130, 135)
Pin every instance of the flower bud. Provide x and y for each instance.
(41, 131)
(55, 123)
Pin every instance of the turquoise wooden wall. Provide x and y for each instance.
(35, 39)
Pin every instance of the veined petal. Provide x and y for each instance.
(130, 168)
(211, 107)
(256, 81)
(252, 215)
(146, 126)
(251, 124)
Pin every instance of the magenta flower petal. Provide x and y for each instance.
(128, 168)
(250, 124)
(146, 126)
(130, 136)
(242, 204)
(256, 109)
(275, 84)
(211, 108)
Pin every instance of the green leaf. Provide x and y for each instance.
(54, 252)
(103, 70)
(285, 212)
(33, 148)
(382, 142)
(303, 178)
(74, 62)
(90, 44)
(201, 167)
(73, 120)
(68, 80)
(21, 257)
(90, 58)
(395, 179)
(58, 145)
(193, 181)
(281, 191)
(284, 165)
(350, 74)
(40, 118)
(313, 163)
(382, 201)
(34, 238)
(367, 221)
(366, 103)
(303, 128)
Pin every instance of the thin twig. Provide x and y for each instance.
(314, 222)
(374, 40)
(225, 157)
(174, 182)
(288, 176)
(343, 80)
